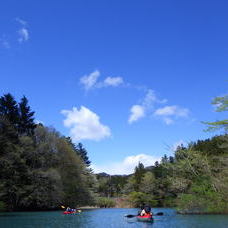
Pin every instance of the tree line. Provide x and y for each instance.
(39, 168)
(194, 180)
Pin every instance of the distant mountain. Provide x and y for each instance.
(103, 174)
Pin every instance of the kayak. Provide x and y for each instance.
(76, 211)
(145, 218)
(69, 212)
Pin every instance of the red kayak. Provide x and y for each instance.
(145, 218)
(69, 212)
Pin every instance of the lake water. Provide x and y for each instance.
(108, 218)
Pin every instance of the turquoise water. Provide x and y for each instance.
(103, 218)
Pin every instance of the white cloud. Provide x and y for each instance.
(149, 99)
(23, 31)
(89, 81)
(137, 112)
(126, 166)
(23, 35)
(85, 124)
(22, 22)
(113, 81)
(171, 111)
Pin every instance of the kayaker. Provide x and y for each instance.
(146, 211)
(71, 210)
(141, 209)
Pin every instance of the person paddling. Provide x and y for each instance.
(146, 211)
(70, 210)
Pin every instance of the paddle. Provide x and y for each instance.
(157, 214)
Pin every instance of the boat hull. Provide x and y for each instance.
(69, 213)
(145, 218)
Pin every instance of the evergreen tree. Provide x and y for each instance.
(83, 154)
(9, 109)
(8, 135)
(171, 159)
(164, 159)
(138, 175)
(26, 121)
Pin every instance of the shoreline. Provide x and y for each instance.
(88, 207)
(202, 213)
(95, 207)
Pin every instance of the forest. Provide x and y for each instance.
(40, 169)
(194, 180)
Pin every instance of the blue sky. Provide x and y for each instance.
(129, 79)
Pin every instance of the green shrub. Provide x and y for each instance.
(139, 198)
(169, 202)
(105, 202)
(208, 202)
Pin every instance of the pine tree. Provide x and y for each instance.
(9, 109)
(8, 136)
(138, 175)
(164, 159)
(80, 150)
(83, 154)
(26, 123)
